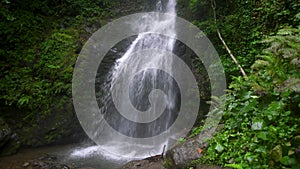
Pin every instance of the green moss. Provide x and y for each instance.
(168, 163)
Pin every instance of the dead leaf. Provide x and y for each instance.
(200, 150)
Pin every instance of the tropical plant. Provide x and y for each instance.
(261, 116)
(39, 44)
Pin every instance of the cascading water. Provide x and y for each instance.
(145, 81)
(145, 88)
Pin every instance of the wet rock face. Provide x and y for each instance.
(4, 133)
(60, 126)
(183, 154)
(9, 143)
(155, 162)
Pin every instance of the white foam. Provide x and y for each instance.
(92, 151)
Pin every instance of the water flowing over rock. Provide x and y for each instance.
(138, 86)
(112, 98)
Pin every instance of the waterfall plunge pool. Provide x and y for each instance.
(72, 155)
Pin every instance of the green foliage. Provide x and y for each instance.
(36, 86)
(181, 140)
(39, 41)
(237, 166)
(200, 9)
(281, 61)
(85, 8)
(261, 117)
(196, 131)
(261, 114)
(242, 25)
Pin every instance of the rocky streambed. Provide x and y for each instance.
(48, 161)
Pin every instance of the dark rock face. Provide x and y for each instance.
(9, 143)
(183, 154)
(60, 126)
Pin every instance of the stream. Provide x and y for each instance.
(75, 155)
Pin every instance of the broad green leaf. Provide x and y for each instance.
(219, 148)
(262, 135)
(286, 160)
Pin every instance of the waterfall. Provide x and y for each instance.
(147, 80)
(151, 103)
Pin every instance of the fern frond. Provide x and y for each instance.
(285, 31)
(288, 52)
(269, 58)
(296, 62)
(258, 64)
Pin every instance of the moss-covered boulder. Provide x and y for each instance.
(183, 154)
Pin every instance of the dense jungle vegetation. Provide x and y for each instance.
(262, 110)
(41, 39)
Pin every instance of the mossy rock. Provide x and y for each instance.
(12, 147)
(9, 143)
(59, 127)
(4, 133)
(184, 153)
